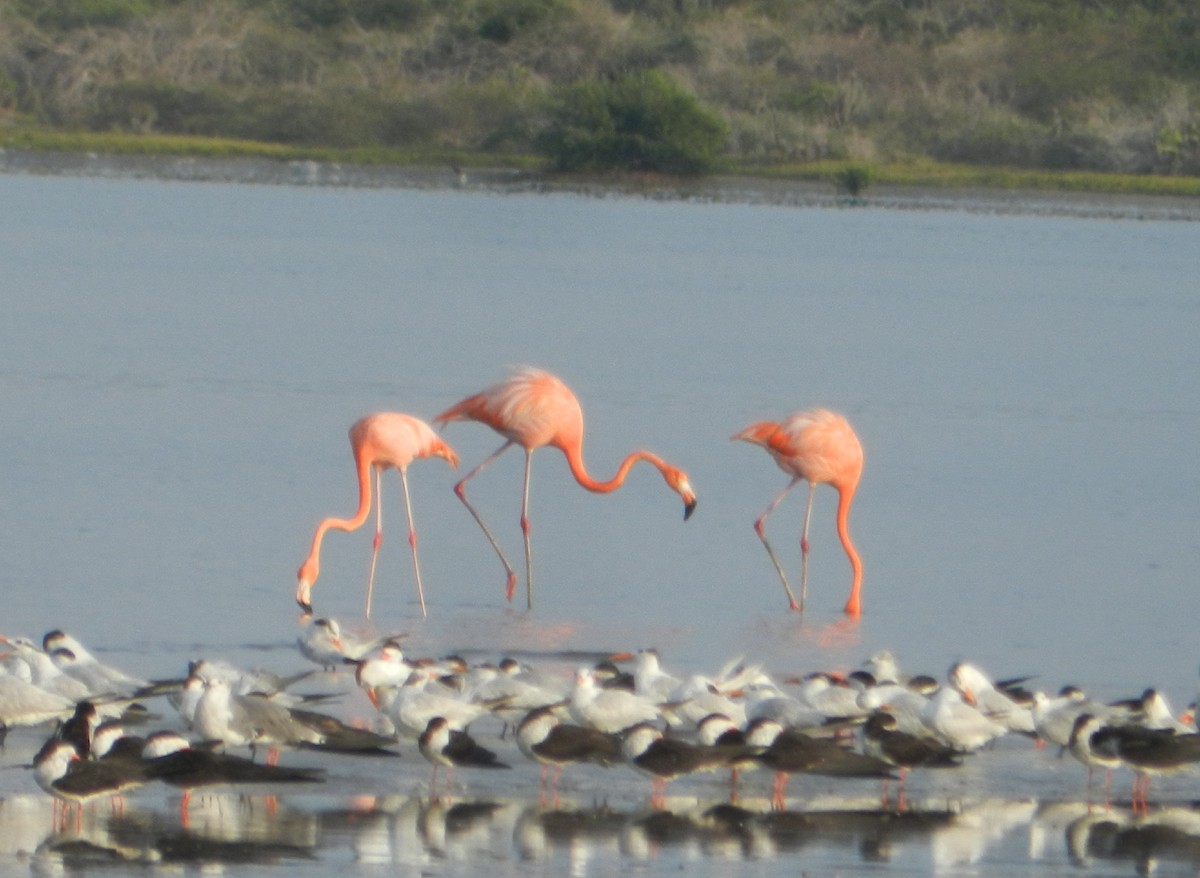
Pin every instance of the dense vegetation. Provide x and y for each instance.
(673, 85)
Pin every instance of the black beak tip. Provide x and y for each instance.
(307, 608)
(688, 509)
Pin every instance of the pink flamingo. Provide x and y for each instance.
(532, 408)
(379, 441)
(815, 446)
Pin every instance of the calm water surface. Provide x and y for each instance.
(179, 364)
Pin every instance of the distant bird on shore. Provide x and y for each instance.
(441, 744)
(818, 447)
(532, 408)
(663, 759)
(59, 770)
(168, 757)
(545, 739)
(379, 441)
(884, 740)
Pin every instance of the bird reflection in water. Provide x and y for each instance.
(403, 829)
(223, 829)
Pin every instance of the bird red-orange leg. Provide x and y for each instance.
(658, 793)
(778, 789)
(412, 541)
(526, 527)
(461, 490)
(760, 528)
(812, 489)
(378, 541)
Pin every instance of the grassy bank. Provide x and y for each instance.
(924, 174)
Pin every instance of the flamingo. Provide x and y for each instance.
(532, 408)
(379, 441)
(814, 446)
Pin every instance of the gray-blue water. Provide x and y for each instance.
(179, 364)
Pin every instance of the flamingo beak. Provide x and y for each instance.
(303, 596)
(688, 508)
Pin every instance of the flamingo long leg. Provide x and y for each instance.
(812, 489)
(525, 529)
(412, 540)
(760, 529)
(461, 490)
(377, 541)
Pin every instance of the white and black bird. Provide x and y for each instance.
(547, 740)
(443, 745)
(663, 759)
(168, 757)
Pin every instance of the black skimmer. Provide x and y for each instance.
(168, 757)
(109, 741)
(1079, 744)
(720, 730)
(1147, 751)
(609, 676)
(793, 752)
(545, 739)
(59, 770)
(663, 759)
(442, 744)
(79, 727)
(883, 740)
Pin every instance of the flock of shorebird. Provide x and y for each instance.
(871, 723)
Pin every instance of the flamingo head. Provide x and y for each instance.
(444, 451)
(305, 578)
(677, 480)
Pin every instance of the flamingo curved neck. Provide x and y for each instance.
(574, 456)
(345, 524)
(845, 499)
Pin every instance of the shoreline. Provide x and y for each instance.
(717, 189)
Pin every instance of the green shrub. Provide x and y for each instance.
(503, 20)
(853, 179)
(642, 122)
